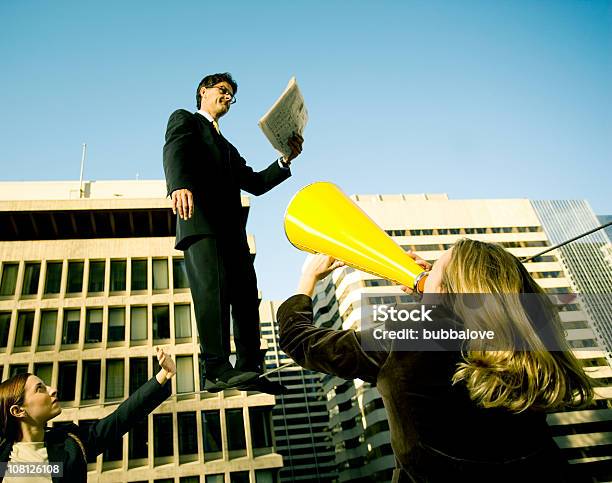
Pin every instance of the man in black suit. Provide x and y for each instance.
(204, 176)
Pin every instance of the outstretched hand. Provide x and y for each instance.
(168, 367)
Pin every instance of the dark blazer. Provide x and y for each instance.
(199, 159)
(70, 449)
(435, 427)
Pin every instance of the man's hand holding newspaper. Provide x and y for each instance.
(284, 122)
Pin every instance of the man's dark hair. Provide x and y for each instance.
(211, 80)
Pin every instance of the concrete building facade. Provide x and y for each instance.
(90, 283)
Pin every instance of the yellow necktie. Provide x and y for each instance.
(216, 126)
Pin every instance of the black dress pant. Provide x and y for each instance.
(221, 274)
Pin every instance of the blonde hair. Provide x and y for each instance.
(513, 378)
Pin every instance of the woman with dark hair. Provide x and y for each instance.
(27, 404)
(469, 414)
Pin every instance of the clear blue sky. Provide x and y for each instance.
(478, 99)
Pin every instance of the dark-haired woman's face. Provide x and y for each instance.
(40, 402)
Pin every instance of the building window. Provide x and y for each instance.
(53, 278)
(114, 451)
(261, 427)
(219, 478)
(138, 373)
(96, 276)
(114, 378)
(239, 477)
(44, 371)
(162, 435)
(138, 323)
(93, 326)
(25, 323)
(184, 374)
(66, 383)
(187, 433)
(266, 476)
(138, 440)
(31, 276)
(118, 275)
(161, 322)
(8, 282)
(116, 324)
(5, 324)
(15, 369)
(179, 274)
(182, 321)
(211, 432)
(48, 328)
(90, 388)
(139, 274)
(189, 479)
(235, 429)
(160, 274)
(72, 321)
(75, 277)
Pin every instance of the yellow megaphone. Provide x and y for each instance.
(322, 219)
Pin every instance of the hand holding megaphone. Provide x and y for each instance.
(316, 267)
(424, 264)
(320, 266)
(322, 219)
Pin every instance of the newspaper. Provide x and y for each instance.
(286, 116)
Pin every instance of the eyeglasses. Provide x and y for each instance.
(224, 92)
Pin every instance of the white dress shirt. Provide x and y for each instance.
(26, 452)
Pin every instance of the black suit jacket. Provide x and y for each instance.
(199, 159)
(70, 449)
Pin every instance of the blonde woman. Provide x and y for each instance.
(472, 415)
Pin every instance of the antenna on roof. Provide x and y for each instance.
(84, 153)
(605, 225)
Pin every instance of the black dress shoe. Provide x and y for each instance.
(263, 384)
(251, 368)
(211, 372)
(215, 385)
(230, 378)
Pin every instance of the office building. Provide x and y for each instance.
(90, 283)
(585, 260)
